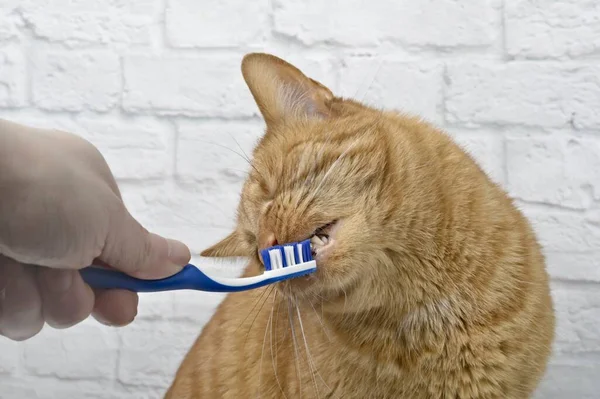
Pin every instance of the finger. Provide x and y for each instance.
(20, 302)
(66, 299)
(115, 307)
(4, 277)
(132, 249)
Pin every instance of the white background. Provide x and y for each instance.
(155, 84)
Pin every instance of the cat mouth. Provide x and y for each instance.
(323, 240)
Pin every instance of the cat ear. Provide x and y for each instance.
(231, 246)
(281, 91)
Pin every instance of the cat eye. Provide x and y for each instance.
(249, 237)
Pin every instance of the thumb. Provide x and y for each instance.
(132, 249)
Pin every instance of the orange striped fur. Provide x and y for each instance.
(434, 285)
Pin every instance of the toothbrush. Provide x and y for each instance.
(282, 262)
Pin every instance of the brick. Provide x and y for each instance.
(564, 231)
(560, 28)
(413, 88)
(9, 20)
(155, 306)
(9, 356)
(41, 120)
(558, 170)
(534, 94)
(13, 81)
(365, 23)
(210, 86)
(151, 353)
(197, 307)
(383, 52)
(570, 379)
(570, 241)
(17, 389)
(571, 265)
(76, 81)
(216, 23)
(134, 149)
(486, 150)
(87, 350)
(197, 216)
(216, 151)
(36, 388)
(88, 22)
(578, 319)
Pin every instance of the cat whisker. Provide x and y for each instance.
(226, 148)
(257, 313)
(345, 300)
(274, 352)
(245, 158)
(296, 352)
(311, 362)
(240, 147)
(372, 80)
(321, 322)
(275, 329)
(375, 74)
(236, 170)
(262, 352)
(252, 310)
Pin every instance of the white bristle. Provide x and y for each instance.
(300, 257)
(289, 255)
(276, 261)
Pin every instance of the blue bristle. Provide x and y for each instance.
(306, 251)
(282, 252)
(296, 255)
(266, 258)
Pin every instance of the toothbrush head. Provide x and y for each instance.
(282, 256)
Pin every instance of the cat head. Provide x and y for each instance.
(322, 169)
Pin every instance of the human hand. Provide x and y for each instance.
(60, 211)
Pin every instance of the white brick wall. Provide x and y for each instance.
(156, 85)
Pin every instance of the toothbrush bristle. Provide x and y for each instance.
(282, 256)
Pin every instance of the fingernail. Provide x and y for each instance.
(179, 253)
(58, 281)
(103, 321)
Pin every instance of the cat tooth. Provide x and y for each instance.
(325, 240)
(316, 240)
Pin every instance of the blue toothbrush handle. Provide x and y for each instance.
(291, 261)
(190, 277)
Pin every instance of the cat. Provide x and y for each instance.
(430, 282)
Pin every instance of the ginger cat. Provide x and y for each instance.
(430, 283)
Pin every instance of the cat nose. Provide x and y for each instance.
(266, 240)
